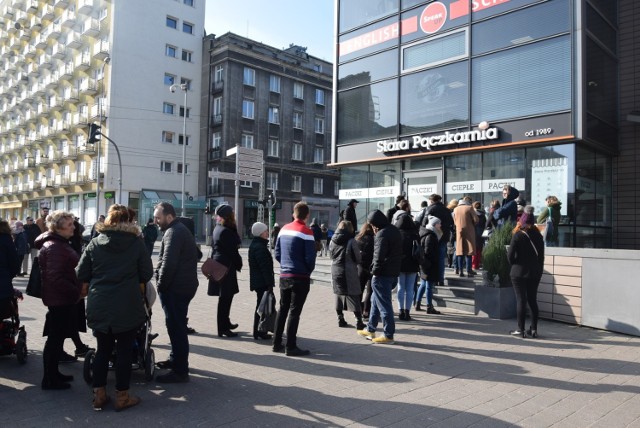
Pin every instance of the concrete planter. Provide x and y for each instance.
(495, 302)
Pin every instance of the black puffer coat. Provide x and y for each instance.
(58, 260)
(178, 260)
(409, 233)
(387, 247)
(345, 257)
(430, 269)
(260, 265)
(226, 243)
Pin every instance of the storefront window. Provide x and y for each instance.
(367, 113)
(367, 70)
(434, 99)
(463, 177)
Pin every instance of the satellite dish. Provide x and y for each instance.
(17, 26)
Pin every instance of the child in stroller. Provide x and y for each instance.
(10, 328)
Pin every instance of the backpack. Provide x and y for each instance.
(417, 252)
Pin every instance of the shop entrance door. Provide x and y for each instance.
(419, 185)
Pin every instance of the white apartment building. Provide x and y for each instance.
(67, 63)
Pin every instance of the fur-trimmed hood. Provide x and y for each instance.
(118, 237)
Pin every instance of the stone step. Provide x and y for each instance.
(463, 292)
(457, 303)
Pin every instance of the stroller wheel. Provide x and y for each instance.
(21, 346)
(149, 364)
(87, 371)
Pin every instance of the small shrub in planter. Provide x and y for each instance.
(494, 256)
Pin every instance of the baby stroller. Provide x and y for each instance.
(10, 329)
(143, 355)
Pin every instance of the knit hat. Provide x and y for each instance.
(433, 220)
(527, 217)
(224, 210)
(258, 228)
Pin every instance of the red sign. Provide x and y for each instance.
(433, 17)
(461, 7)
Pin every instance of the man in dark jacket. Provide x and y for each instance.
(437, 209)
(387, 259)
(391, 211)
(350, 214)
(177, 282)
(33, 230)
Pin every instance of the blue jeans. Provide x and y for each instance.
(381, 306)
(406, 284)
(428, 287)
(175, 308)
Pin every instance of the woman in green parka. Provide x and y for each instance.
(113, 266)
(553, 209)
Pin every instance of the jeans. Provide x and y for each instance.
(124, 343)
(293, 294)
(406, 284)
(526, 290)
(381, 306)
(175, 308)
(428, 287)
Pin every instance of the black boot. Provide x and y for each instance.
(341, 320)
(407, 317)
(360, 325)
(50, 380)
(432, 310)
(401, 316)
(418, 306)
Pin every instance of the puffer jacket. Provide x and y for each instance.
(114, 264)
(554, 208)
(509, 209)
(345, 257)
(260, 265)
(58, 261)
(444, 214)
(387, 247)
(177, 262)
(430, 269)
(409, 233)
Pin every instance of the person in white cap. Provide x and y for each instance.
(261, 278)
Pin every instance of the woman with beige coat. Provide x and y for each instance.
(465, 219)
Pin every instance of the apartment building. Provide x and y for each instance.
(65, 64)
(275, 100)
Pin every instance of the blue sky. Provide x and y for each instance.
(276, 23)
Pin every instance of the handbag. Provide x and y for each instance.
(214, 270)
(34, 287)
(267, 313)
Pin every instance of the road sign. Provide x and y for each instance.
(250, 152)
(232, 176)
(250, 163)
(250, 171)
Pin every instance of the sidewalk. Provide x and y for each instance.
(449, 370)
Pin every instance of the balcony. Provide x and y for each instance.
(217, 86)
(45, 182)
(66, 71)
(47, 12)
(61, 181)
(42, 109)
(59, 51)
(74, 40)
(7, 12)
(32, 68)
(88, 87)
(69, 152)
(55, 31)
(83, 62)
(95, 113)
(216, 119)
(87, 149)
(25, 35)
(70, 95)
(91, 27)
(51, 81)
(85, 7)
(44, 61)
(78, 178)
(214, 154)
(80, 118)
(32, 6)
(68, 18)
(101, 50)
(28, 163)
(55, 103)
(41, 41)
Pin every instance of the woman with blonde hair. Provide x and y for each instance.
(112, 267)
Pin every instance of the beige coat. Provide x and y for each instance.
(465, 219)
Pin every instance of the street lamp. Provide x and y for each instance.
(100, 112)
(173, 88)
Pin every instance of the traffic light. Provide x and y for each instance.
(94, 133)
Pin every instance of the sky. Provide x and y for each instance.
(277, 23)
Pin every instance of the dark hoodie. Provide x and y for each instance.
(387, 249)
(509, 209)
(409, 233)
(114, 264)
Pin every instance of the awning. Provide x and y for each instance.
(13, 204)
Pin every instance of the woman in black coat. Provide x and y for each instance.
(409, 266)
(365, 239)
(430, 237)
(261, 278)
(226, 243)
(526, 256)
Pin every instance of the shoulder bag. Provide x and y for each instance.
(34, 287)
(214, 270)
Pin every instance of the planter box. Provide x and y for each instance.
(495, 302)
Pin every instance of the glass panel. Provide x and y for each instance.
(369, 112)
(462, 169)
(435, 51)
(434, 99)
(602, 84)
(369, 39)
(434, 18)
(406, 4)
(608, 8)
(354, 13)
(490, 8)
(523, 81)
(551, 172)
(601, 29)
(367, 70)
(521, 26)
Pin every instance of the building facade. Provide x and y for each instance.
(65, 64)
(460, 97)
(275, 101)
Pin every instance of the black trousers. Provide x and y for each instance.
(224, 309)
(60, 323)
(526, 292)
(124, 355)
(293, 294)
(256, 317)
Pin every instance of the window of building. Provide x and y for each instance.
(318, 155)
(298, 90)
(358, 12)
(181, 138)
(187, 28)
(368, 69)
(188, 2)
(171, 51)
(296, 183)
(169, 79)
(274, 83)
(216, 138)
(218, 73)
(165, 166)
(182, 112)
(184, 81)
(247, 141)
(320, 97)
(168, 108)
(249, 76)
(246, 184)
(436, 50)
(186, 55)
(296, 151)
(217, 106)
(336, 188)
(297, 119)
(319, 125)
(247, 109)
(272, 180)
(274, 116)
(179, 168)
(172, 22)
(318, 186)
(273, 148)
(167, 137)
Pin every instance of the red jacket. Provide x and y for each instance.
(58, 260)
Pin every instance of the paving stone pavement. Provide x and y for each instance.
(451, 370)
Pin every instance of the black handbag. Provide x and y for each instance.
(34, 287)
